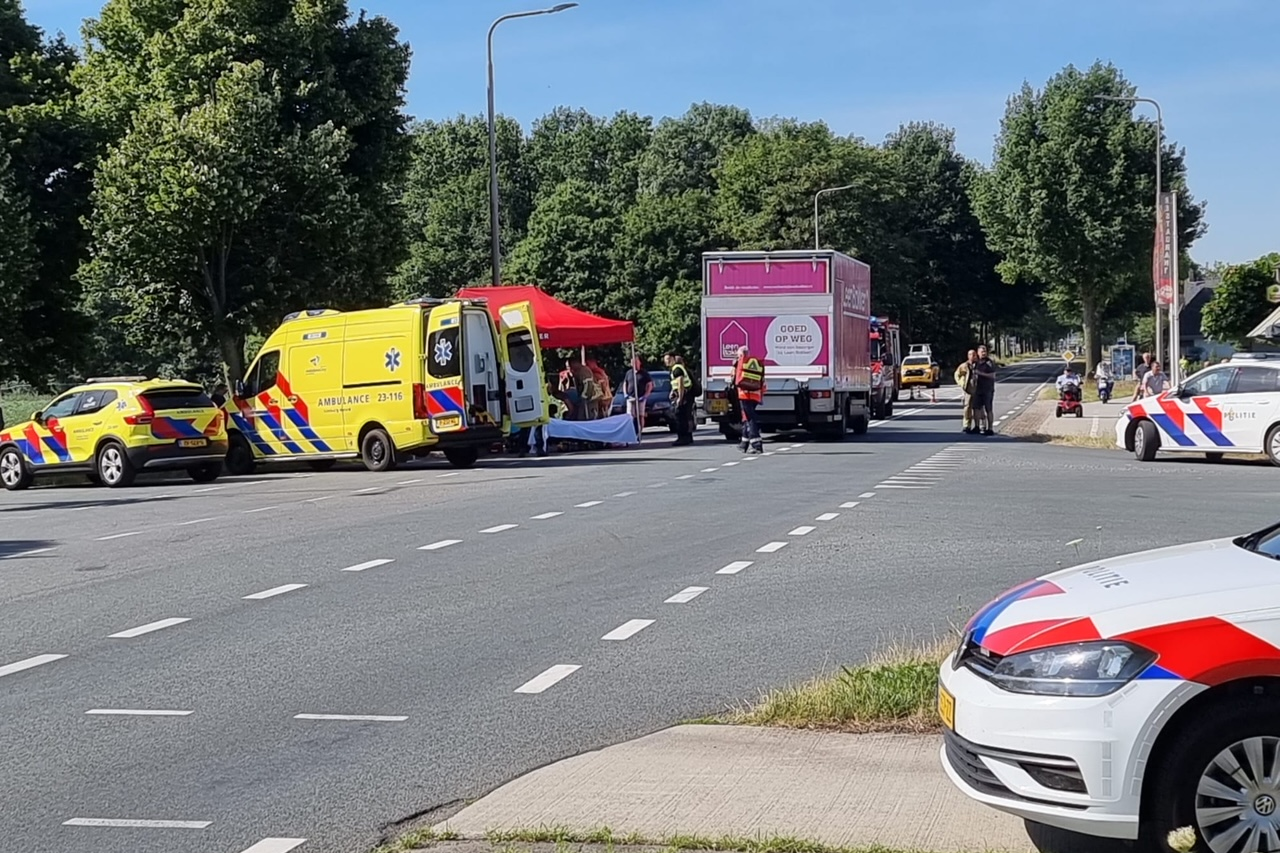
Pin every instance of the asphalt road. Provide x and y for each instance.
(486, 622)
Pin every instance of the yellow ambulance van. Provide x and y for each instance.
(387, 384)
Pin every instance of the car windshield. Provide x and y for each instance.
(1265, 542)
(916, 359)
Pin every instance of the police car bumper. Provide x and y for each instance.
(161, 456)
(1121, 430)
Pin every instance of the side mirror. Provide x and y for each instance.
(37, 416)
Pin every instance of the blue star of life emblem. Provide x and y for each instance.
(444, 352)
(393, 359)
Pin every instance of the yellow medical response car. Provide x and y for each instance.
(114, 427)
(388, 384)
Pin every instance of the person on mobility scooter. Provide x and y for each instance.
(1070, 397)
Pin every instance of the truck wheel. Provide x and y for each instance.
(1146, 441)
(377, 451)
(729, 433)
(240, 461)
(860, 424)
(462, 457)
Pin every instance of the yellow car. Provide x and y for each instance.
(919, 371)
(113, 428)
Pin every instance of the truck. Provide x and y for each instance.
(886, 358)
(806, 314)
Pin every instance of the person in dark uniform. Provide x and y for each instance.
(682, 397)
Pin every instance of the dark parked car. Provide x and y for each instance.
(657, 411)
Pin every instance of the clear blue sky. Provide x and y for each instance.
(864, 67)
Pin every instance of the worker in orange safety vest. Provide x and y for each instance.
(748, 379)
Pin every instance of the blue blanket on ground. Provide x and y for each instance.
(619, 429)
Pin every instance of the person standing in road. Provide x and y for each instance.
(966, 378)
(984, 394)
(681, 398)
(748, 379)
(637, 385)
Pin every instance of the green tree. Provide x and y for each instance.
(685, 153)
(1069, 198)
(257, 160)
(1240, 303)
(570, 144)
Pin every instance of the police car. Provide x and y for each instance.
(1129, 697)
(1226, 408)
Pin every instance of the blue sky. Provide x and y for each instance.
(865, 67)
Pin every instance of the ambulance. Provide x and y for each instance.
(388, 384)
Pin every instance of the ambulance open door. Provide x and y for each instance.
(522, 365)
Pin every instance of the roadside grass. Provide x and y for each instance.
(894, 691)
(1123, 390)
(604, 839)
(418, 839)
(18, 407)
(1095, 442)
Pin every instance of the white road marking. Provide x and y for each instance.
(81, 508)
(771, 547)
(796, 446)
(766, 453)
(29, 663)
(548, 678)
(867, 495)
(274, 591)
(848, 504)
(731, 464)
(119, 535)
(137, 824)
(628, 629)
(734, 567)
(709, 470)
(896, 486)
(317, 500)
(147, 628)
(686, 476)
(546, 515)
(211, 489)
(274, 845)
(684, 596)
(360, 718)
(258, 509)
(828, 516)
(624, 494)
(587, 504)
(197, 521)
(783, 449)
(443, 543)
(21, 554)
(999, 421)
(803, 530)
(656, 485)
(750, 459)
(371, 564)
(450, 474)
(367, 490)
(409, 482)
(137, 712)
(499, 528)
(1093, 429)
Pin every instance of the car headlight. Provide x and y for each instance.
(1095, 668)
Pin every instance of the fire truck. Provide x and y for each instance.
(886, 357)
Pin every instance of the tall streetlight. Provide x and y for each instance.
(816, 243)
(495, 237)
(1173, 308)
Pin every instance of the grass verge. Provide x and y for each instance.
(18, 407)
(894, 691)
(418, 839)
(1123, 390)
(1096, 442)
(604, 839)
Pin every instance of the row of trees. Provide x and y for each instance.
(209, 165)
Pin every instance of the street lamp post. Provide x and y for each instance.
(1173, 308)
(816, 243)
(495, 247)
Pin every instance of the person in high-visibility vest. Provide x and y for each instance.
(682, 398)
(748, 379)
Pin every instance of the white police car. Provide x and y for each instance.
(1226, 408)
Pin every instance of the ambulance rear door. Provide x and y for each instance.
(442, 398)
(522, 363)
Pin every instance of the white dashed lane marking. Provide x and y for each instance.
(259, 509)
(734, 567)
(208, 489)
(368, 490)
(709, 470)
(119, 536)
(686, 476)
(137, 824)
(624, 494)
(409, 482)
(317, 500)
(656, 485)
(197, 521)
(587, 504)
(803, 530)
(628, 629)
(731, 464)
(828, 516)
(148, 628)
(370, 564)
(500, 528)
(546, 515)
(443, 543)
(29, 663)
(137, 712)
(33, 552)
(274, 591)
(686, 595)
(848, 504)
(274, 845)
(865, 495)
(548, 678)
(771, 547)
(450, 474)
(354, 718)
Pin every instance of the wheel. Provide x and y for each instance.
(895, 394)
(114, 468)
(321, 464)
(1146, 441)
(462, 457)
(14, 473)
(860, 423)
(1273, 444)
(377, 451)
(206, 473)
(1215, 778)
(729, 433)
(1080, 412)
(888, 410)
(240, 461)
(1213, 457)
(1057, 413)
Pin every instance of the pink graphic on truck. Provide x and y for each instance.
(785, 340)
(759, 278)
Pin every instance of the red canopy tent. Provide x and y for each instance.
(560, 326)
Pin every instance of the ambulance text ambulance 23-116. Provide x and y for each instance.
(387, 384)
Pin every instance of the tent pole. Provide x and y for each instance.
(639, 403)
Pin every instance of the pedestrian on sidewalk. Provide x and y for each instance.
(681, 398)
(984, 395)
(966, 378)
(1154, 383)
(637, 385)
(1139, 373)
(748, 379)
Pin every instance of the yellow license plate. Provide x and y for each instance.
(193, 442)
(717, 407)
(449, 422)
(947, 708)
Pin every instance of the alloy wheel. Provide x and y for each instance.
(111, 468)
(10, 469)
(1238, 797)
